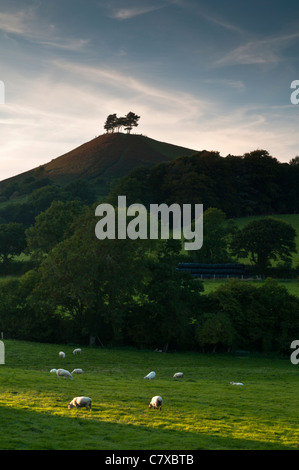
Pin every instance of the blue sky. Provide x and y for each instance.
(212, 75)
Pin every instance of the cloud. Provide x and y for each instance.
(129, 87)
(234, 84)
(261, 51)
(126, 13)
(26, 25)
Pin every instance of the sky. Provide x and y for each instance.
(212, 75)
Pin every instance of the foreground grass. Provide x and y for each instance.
(201, 411)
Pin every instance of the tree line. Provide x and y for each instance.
(129, 292)
(252, 184)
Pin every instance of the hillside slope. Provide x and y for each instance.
(103, 160)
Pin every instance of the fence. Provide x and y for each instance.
(215, 271)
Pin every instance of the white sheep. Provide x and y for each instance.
(77, 351)
(77, 371)
(178, 375)
(53, 371)
(64, 373)
(156, 402)
(62, 354)
(80, 402)
(236, 383)
(151, 375)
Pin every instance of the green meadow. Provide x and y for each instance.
(201, 411)
(292, 285)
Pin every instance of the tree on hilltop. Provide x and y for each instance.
(128, 122)
(111, 123)
(131, 120)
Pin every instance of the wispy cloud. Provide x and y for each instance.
(28, 26)
(128, 12)
(234, 84)
(261, 51)
(128, 86)
(16, 23)
(208, 15)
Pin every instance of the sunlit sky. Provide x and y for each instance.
(212, 75)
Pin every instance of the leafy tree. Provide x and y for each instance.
(239, 302)
(216, 233)
(128, 122)
(80, 190)
(131, 120)
(262, 318)
(111, 123)
(280, 318)
(215, 330)
(40, 199)
(12, 240)
(167, 303)
(52, 226)
(90, 281)
(264, 240)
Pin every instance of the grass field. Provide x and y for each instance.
(292, 285)
(201, 411)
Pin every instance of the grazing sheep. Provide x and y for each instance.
(156, 402)
(80, 402)
(64, 373)
(178, 375)
(53, 371)
(62, 354)
(77, 371)
(236, 383)
(77, 351)
(150, 376)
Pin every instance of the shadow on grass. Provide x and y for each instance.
(23, 429)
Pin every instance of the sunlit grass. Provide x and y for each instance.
(292, 285)
(201, 411)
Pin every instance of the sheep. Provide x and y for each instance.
(156, 402)
(77, 371)
(178, 375)
(236, 383)
(62, 354)
(150, 376)
(53, 371)
(77, 351)
(80, 402)
(64, 373)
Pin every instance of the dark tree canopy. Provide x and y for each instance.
(127, 122)
(264, 240)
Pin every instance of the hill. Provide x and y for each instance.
(101, 161)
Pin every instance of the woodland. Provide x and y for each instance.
(61, 284)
